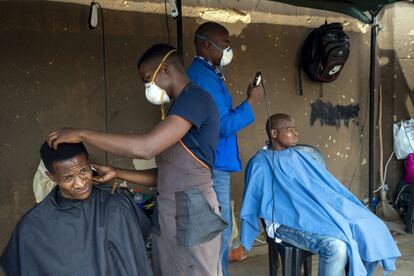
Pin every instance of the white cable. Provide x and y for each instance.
(385, 173)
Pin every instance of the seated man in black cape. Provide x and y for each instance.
(78, 229)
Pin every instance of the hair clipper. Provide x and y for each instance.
(257, 79)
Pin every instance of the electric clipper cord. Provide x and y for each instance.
(257, 81)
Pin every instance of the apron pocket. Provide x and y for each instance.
(196, 222)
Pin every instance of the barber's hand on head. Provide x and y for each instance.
(254, 93)
(64, 135)
(105, 173)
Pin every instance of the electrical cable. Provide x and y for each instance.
(104, 73)
(360, 145)
(385, 173)
(166, 21)
(257, 4)
(269, 127)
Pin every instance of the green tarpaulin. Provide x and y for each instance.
(356, 9)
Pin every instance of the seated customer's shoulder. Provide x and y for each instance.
(37, 215)
(259, 156)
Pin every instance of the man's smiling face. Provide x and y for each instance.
(73, 176)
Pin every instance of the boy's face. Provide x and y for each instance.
(286, 135)
(73, 176)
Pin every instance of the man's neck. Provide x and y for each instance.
(207, 58)
(277, 146)
(181, 83)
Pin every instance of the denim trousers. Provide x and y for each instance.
(332, 252)
(221, 185)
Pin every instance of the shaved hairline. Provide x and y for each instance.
(275, 121)
(208, 28)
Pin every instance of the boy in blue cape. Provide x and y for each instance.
(303, 204)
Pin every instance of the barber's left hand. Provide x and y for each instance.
(64, 135)
(105, 173)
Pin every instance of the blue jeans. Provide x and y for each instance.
(332, 252)
(221, 185)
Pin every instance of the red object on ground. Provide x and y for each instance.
(237, 254)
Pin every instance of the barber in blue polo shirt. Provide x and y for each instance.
(213, 52)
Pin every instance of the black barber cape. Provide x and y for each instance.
(102, 235)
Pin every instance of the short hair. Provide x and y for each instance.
(64, 152)
(156, 53)
(208, 28)
(274, 121)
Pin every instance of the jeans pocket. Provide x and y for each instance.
(196, 221)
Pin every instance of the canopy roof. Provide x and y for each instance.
(356, 9)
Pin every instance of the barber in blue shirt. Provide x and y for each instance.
(213, 52)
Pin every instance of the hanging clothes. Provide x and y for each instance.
(42, 184)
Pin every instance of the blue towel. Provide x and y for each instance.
(309, 198)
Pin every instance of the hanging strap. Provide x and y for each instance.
(193, 155)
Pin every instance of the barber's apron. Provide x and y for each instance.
(187, 224)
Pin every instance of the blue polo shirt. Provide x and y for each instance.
(232, 120)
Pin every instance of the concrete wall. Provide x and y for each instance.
(396, 61)
(51, 76)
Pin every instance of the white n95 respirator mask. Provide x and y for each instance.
(227, 52)
(227, 57)
(155, 94)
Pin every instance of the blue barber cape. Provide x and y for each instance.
(309, 198)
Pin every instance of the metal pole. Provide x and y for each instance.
(180, 30)
(374, 31)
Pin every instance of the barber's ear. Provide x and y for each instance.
(165, 67)
(51, 177)
(274, 133)
(207, 44)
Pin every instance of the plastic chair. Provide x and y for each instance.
(292, 259)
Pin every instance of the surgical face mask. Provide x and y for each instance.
(154, 93)
(227, 52)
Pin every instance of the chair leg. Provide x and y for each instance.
(272, 259)
(308, 266)
(287, 260)
(347, 268)
(409, 219)
(296, 262)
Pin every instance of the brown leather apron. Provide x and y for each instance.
(188, 237)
